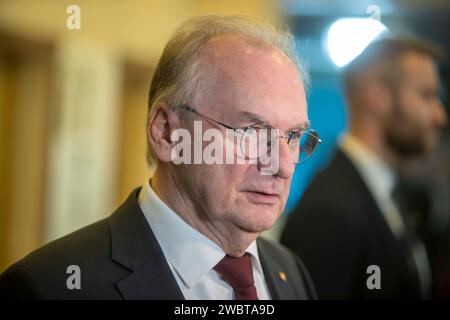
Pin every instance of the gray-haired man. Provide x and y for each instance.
(192, 230)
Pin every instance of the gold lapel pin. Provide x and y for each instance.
(282, 276)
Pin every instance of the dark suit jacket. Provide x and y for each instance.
(120, 258)
(338, 231)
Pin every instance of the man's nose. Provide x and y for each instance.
(280, 160)
(286, 159)
(440, 114)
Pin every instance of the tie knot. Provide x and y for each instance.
(238, 272)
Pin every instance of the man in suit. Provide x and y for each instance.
(192, 230)
(352, 228)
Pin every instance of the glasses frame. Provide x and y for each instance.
(288, 137)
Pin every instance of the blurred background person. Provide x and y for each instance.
(354, 214)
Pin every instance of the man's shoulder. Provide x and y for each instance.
(338, 171)
(86, 243)
(44, 272)
(336, 189)
(87, 252)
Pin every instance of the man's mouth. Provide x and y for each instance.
(262, 197)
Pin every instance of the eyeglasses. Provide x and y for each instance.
(302, 143)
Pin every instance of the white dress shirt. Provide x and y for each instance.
(191, 255)
(380, 179)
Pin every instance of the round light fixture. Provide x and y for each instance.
(348, 37)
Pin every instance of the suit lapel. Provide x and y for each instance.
(135, 247)
(279, 290)
(150, 282)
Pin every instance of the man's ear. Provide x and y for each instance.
(380, 97)
(163, 120)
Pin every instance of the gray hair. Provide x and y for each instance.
(177, 76)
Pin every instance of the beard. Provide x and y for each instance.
(404, 144)
(404, 135)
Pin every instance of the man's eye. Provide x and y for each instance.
(243, 131)
(251, 130)
(295, 136)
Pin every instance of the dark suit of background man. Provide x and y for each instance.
(192, 230)
(353, 214)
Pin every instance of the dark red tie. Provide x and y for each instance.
(238, 272)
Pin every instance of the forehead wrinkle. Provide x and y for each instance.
(259, 67)
(259, 119)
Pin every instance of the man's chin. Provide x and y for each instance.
(260, 221)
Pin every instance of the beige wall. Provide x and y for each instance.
(132, 164)
(24, 97)
(137, 28)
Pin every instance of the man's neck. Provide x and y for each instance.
(233, 240)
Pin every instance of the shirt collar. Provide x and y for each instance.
(378, 176)
(188, 251)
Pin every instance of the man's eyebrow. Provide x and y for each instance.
(254, 118)
(303, 126)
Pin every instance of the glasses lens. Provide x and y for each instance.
(257, 143)
(249, 143)
(308, 143)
